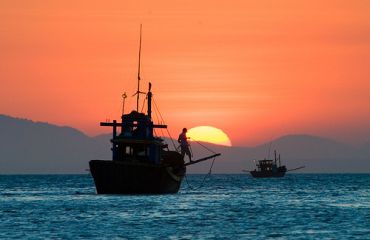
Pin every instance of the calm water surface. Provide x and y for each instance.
(298, 206)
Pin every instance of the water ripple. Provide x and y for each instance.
(299, 206)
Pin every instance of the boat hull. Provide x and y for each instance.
(117, 177)
(265, 174)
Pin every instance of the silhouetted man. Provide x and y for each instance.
(183, 140)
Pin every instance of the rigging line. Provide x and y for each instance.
(155, 104)
(170, 135)
(199, 186)
(161, 129)
(143, 105)
(168, 132)
(210, 169)
(203, 146)
(268, 157)
(156, 115)
(162, 132)
(155, 133)
(173, 143)
(204, 178)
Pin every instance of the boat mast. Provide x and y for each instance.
(279, 161)
(150, 101)
(138, 76)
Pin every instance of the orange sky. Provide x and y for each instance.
(255, 69)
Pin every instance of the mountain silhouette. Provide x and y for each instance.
(28, 147)
(35, 147)
(318, 155)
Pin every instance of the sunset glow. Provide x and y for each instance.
(209, 134)
(255, 69)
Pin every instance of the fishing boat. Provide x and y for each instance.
(141, 163)
(268, 168)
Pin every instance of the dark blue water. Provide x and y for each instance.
(299, 206)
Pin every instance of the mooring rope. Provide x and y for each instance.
(204, 178)
(209, 172)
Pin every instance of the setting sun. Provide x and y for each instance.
(209, 134)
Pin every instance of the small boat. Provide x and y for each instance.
(141, 162)
(269, 168)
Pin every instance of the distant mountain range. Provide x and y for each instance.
(28, 147)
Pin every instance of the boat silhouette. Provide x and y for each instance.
(267, 168)
(141, 162)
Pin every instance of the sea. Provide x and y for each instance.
(217, 206)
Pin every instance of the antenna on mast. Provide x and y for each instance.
(138, 76)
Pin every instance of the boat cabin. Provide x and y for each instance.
(135, 142)
(266, 165)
